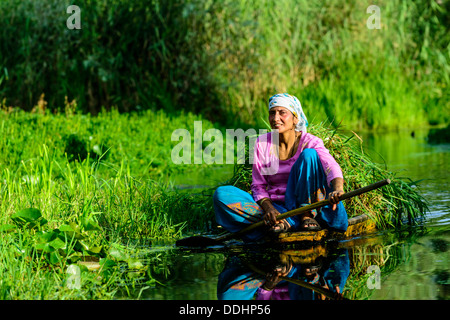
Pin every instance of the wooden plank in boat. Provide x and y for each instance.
(357, 225)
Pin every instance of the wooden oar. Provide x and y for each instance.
(202, 241)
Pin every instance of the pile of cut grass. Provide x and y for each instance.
(390, 206)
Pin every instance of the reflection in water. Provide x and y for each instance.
(412, 264)
(288, 275)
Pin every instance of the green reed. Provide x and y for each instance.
(223, 59)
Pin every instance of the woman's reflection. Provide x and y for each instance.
(285, 276)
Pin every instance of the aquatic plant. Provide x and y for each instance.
(57, 211)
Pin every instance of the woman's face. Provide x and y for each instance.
(282, 119)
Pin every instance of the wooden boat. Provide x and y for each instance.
(358, 225)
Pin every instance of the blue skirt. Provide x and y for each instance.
(235, 209)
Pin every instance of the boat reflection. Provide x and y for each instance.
(306, 274)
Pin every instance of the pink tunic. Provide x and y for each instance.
(270, 175)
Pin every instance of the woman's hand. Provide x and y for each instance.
(270, 213)
(273, 277)
(338, 191)
(334, 198)
(270, 216)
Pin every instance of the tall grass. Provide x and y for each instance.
(324, 53)
(51, 162)
(88, 204)
(225, 58)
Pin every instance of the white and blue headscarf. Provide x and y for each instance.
(293, 105)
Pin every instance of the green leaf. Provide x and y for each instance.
(58, 244)
(66, 228)
(134, 263)
(134, 274)
(91, 225)
(89, 222)
(45, 236)
(30, 214)
(54, 257)
(45, 247)
(7, 227)
(75, 256)
(117, 253)
(84, 245)
(95, 250)
(30, 217)
(71, 230)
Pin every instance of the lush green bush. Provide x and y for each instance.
(225, 58)
(141, 141)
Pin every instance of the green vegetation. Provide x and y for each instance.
(53, 162)
(84, 172)
(63, 203)
(74, 188)
(223, 59)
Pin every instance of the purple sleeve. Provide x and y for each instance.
(278, 293)
(259, 182)
(262, 294)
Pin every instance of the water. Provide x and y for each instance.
(411, 263)
(423, 271)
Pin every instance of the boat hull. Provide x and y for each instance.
(358, 225)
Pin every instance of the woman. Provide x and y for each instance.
(291, 169)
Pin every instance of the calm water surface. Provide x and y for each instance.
(411, 263)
